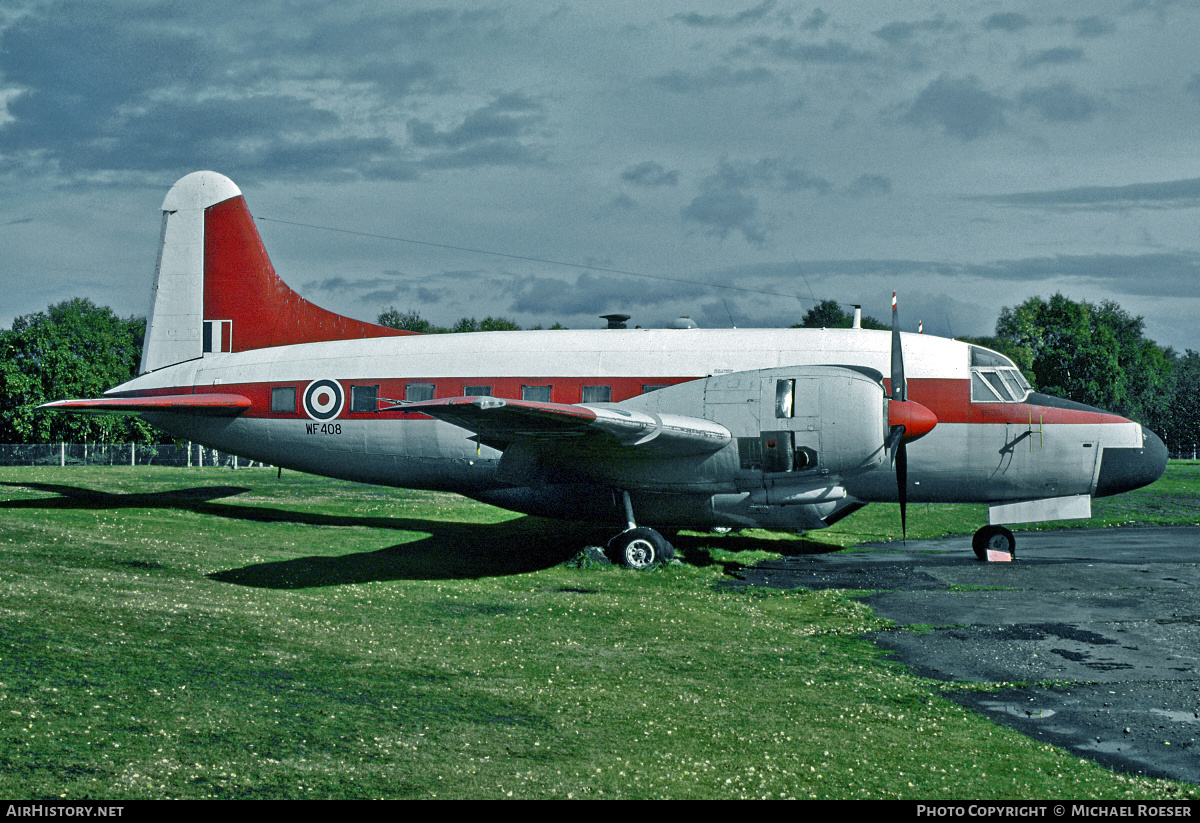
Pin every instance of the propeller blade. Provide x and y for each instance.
(899, 388)
(893, 440)
(902, 488)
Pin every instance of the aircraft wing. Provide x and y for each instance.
(214, 405)
(500, 422)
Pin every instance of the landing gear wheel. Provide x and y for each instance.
(993, 538)
(640, 548)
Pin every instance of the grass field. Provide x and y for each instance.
(187, 633)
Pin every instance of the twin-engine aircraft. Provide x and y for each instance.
(646, 429)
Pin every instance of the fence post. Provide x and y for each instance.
(62, 455)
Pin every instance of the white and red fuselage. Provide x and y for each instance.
(778, 428)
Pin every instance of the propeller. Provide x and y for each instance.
(907, 421)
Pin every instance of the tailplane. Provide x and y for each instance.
(215, 289)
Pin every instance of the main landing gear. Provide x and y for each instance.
(638, 547)
(994, 543)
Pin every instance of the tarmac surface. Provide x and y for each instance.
(1105, 625)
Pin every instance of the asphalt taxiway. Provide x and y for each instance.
(1105, 622)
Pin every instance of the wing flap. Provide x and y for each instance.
(211, 404)
(501, 422)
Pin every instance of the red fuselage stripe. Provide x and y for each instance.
(948, 399)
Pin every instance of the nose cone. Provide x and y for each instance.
(1124, 469)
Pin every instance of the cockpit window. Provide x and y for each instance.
(995, 378)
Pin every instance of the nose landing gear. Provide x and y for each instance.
(994, 544)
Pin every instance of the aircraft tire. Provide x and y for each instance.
(996, 538)
(640, 548)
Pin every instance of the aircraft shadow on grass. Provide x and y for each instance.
(448, 550)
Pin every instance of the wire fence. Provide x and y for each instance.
(193, 454)
(118, 454)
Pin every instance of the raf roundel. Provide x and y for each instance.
(323, 399)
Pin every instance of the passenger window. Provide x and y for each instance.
(416, 392)
(283, 400)
(364, 398)
(540, 394)
(597, 394)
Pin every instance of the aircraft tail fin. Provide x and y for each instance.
(215, 289)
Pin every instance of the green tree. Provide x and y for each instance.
(73, 349)
(409, 320)
(1182, 422)
(828, 314)
(1094, 354)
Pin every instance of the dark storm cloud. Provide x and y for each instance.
(1160, 275)
(831, 52)
(147, 88)
(716, 77)
(724, 205)
(1060, 102)
(960, 107)
(1057, 56)
(721, 21)
(492, 135)
(899, 33)
(720, 212)
(870, 184)
(1092, 27)
(1193, 86)
(508, 116)
(591, 294)
(1009, 21)
(75, 74)
(816, 20)
(1172, 194)
(650, 173)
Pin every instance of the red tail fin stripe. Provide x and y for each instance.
(241, 285)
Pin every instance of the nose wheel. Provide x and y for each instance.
(992, 543)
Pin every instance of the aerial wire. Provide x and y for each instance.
(540, 259)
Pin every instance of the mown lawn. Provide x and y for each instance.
(187, 633)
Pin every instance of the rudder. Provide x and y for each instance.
(215, 289)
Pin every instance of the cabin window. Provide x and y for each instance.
(995, 378)
(540, 394)
(364, 398)
(477, 391)
(597, 394)
(283, 400)
(416, 392)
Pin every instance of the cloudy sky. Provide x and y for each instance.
(729, 161)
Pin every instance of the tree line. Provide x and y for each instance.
(1096, 354)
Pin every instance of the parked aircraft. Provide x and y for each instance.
(647, 429)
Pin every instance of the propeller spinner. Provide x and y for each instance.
(908, 420)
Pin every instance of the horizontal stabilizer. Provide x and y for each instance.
(213, 405)
(499, 422)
